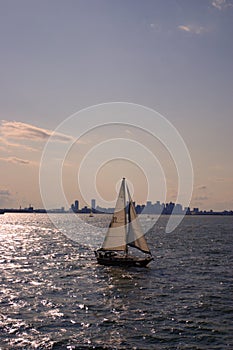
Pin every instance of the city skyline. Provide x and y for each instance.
(141, 208)
(146, 208)
(60, 57)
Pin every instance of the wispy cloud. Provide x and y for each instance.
(192, 29)
(5, 193)
(201, 188)
(6, 145)
(18, 130)
(201, 198)
(184, 28)
(155, 27)
(221, 4)
(218, 4)
(15, 160)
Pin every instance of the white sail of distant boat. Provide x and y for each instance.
(124, 231)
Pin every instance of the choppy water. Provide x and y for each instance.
(53, 295)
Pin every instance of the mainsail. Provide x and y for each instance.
(135, 237)
(115, 238)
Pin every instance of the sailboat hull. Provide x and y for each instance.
(123, 261)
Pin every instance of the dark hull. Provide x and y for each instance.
(124, 261)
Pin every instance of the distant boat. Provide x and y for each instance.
(124, 231)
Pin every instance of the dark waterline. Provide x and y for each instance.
(53, 295)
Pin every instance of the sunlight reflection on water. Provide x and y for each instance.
(53, 294)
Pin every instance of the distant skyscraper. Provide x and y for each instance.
(76, 205)
(93, 203)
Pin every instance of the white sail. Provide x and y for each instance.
(135, 236)
(115, 238)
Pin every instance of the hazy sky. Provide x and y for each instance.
(57, 57)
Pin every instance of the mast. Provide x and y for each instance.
(126, 246)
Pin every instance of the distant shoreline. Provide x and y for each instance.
(58, 211)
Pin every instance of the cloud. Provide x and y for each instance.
(201, 188)
(201, 198)
(221, 4)
(185, 28)
(5, 145)
(15, 160)
(192, 29)
(5, 193)
(18, 130)
(218, 4)
(155, 27)
(220, 179)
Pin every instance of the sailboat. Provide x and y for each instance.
(124, 232)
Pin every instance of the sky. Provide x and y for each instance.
(173, 56)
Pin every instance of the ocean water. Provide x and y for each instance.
(53, 295)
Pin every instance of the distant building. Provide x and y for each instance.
(168, 208)
(93, 204)
(138, 209)
(178, 209)
(148, 208)
(76, 205)
(158, 208)
(85, 210)
(187, 210)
